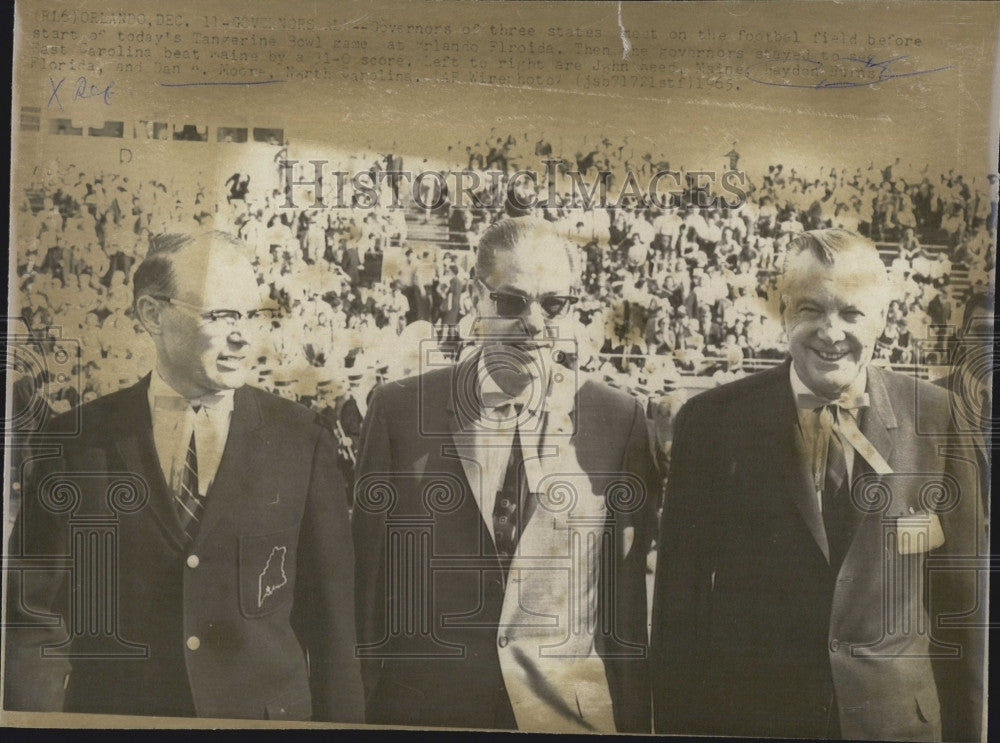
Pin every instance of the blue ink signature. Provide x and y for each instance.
(220, 82)
(816, 69)
(81, 92)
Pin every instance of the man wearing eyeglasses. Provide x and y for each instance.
(227, 589)
(503, 512)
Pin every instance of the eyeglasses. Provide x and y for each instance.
(515, 305)
(221, 317)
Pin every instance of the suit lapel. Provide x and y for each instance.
(134, 443)
(877, 423)
(782, 428)
(462, 406)
(803, 490)
(879, 419)
(240, 462)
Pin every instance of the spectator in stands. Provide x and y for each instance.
(83, 231)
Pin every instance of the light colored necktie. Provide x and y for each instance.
(844, 424)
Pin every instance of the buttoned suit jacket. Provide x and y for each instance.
(444, 642)
(266, 586)
(753, 630)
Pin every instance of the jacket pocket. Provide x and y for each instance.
(292, 705)
(267, 572)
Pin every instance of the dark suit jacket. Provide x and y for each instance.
(266, 587)
(753, 631)
(975, 419)
(445, 669)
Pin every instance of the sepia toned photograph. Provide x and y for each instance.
(545, 367)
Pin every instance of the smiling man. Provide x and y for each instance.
(232, 594)
(821, 536)
(502, 517)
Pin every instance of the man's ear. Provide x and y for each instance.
(782, 306)
(150, 314)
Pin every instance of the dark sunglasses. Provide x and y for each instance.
(515, 305)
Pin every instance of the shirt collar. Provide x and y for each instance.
(489, 389)
(168, 398)
(855, 391)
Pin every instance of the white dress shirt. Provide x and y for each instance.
(174, 419)
(494, 436)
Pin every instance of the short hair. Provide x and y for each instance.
(509, 232)
(829, 245)
(155, 275)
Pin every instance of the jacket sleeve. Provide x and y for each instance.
(324, 607)
(373, 498)
(36, 598)
(634, 508)
(681, 590)
(958, 598)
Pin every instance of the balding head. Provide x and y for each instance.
(193, 295)
(157, 274)
(547, 250)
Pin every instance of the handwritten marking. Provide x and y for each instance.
(856, 63)
(688, 102)
(83, 91)
(220, 82)
(55, 93)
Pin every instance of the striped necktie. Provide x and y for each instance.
(189, 502)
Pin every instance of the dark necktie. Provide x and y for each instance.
(513, 506)
(836, 488)
(188, 501)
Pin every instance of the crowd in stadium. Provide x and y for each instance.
(669, 291)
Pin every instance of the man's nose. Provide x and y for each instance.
(533, 320)
(235, 338)
(831, 329)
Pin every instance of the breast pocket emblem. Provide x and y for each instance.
(273, 576)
